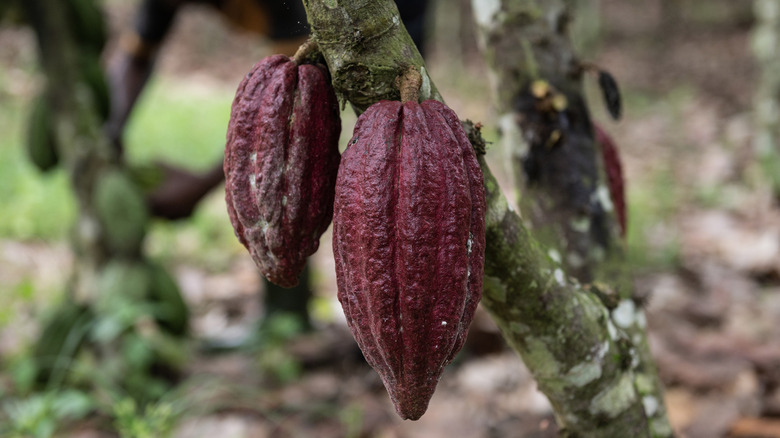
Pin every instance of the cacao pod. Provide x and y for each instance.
(169, 308)
(122, 212)
(88, 23)
(409, 242)
(41, 140)
(281, 160)
(94, 77)
(614, 170)
(611, 94)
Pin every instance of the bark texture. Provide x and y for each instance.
(585, 347)
(584, 344)
(366, 47)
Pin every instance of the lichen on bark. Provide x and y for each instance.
(591, 368)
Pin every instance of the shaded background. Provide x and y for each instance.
(704, 241)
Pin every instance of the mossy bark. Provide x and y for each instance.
(587, 356)
(366, 47)
(594, 371)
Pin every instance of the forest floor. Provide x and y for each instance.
(704, 242)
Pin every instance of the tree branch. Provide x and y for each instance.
(589, 367)
(366, 47)
(551, 150)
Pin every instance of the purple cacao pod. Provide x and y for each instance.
(409, 244)
(614, 170)
(281, 162)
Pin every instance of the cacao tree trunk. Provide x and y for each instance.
(585, 346)
(111, 274)
(84, 149)
(560, 182)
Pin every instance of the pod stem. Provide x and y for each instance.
(305, 49)
(410, 84)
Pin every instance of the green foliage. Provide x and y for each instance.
(135, 332)
(93, 76)
(22, 292)
(169, 124)
(88, 23)
(43, 415)
(40, 414)
(129, 323)
(138, 326)
(351, 418)
(63, 333)
(155, 421)
(57, 365)
(273, 358)
(41, 144)
(142, 318)
(169, 308)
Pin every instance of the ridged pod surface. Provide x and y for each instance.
(409, 242)
(614, 170)
(281, 161)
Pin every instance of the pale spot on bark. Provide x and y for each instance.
(485, 11)
(615, 399)
(624, 314)
(650, 404)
